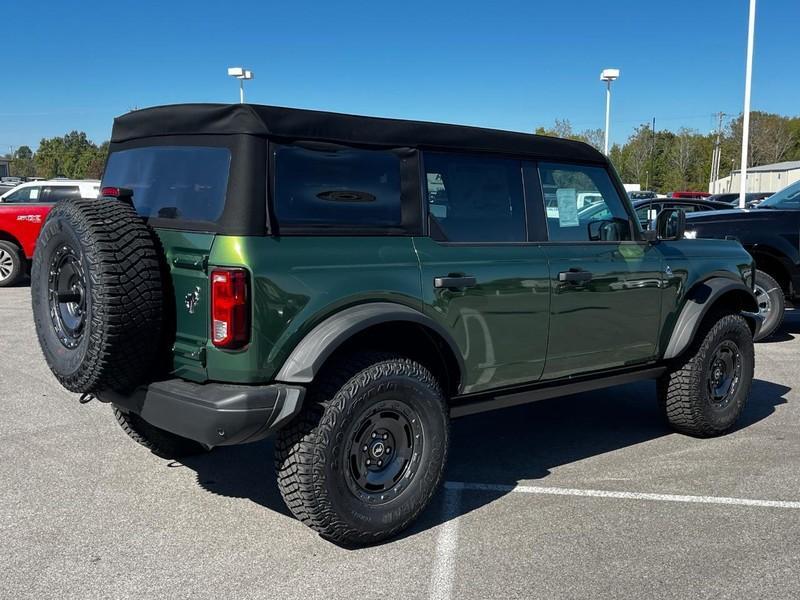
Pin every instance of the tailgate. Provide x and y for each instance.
(187, 255)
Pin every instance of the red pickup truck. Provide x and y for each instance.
(22, 212)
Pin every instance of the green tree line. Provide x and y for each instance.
(72, 155)
(681, 160)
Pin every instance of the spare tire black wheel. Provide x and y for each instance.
(96, 288)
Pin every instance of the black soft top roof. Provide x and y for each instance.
(298, 124)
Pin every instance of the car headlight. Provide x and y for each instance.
(690, 235)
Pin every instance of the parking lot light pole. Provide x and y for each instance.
(748, 75)
(608, 75)
(242, 75)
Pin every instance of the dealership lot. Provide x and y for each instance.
(584, 496)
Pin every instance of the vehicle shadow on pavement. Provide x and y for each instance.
(788, 329)
(500, 447)
(245, 471)
(524, 443)
(22, 283)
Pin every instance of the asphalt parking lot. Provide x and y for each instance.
(584, 496)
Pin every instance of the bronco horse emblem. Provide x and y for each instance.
(192, 299)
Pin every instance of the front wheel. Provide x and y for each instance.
(367, 452)
(705, 391)
(771, 304)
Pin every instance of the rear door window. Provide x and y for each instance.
(56, 193)
(337, 187)
(186, 183)
(475, 198)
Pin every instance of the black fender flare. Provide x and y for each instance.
(320, 343)
(699, 301)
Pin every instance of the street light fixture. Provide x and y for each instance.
(608, 75)
(242, 75)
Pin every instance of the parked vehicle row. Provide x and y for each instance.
(770, 232)
(732, 199)
(23, 210)
(648, 210)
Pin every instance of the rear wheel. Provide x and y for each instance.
(705, 392)
(368, 451)
(11, 264)
(771, 304)
(160, 442)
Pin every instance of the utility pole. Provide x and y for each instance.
(716, 156)
(652, 154)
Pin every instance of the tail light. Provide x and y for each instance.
(230, 308)
(116, 192)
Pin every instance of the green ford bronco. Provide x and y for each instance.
(350, 284)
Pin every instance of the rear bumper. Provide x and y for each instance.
(213, 414)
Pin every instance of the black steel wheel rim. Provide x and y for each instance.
(384, 449)
(67, 296)
(724, 373)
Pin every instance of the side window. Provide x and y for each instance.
(26, 194)
(643, 212)
(582, 204)
(475, 199)
(56, 193)
(347, 187)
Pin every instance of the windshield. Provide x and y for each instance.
(787, 198)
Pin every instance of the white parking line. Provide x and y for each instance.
(441, 587)
(444, 568)
(556, 491)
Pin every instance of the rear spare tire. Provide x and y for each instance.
(96, 289)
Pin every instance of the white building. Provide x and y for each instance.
(766, 178)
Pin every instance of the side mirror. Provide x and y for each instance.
(606, 230)
(671, 224)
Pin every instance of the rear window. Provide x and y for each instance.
(186, 183)
(56, 193)
(343, 187)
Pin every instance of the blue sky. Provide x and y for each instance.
(511, 65)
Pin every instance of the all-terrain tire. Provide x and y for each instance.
(314, 455)
(687, 391)
(12, 263)
(160, 442)
(103, 258)
(771, 304)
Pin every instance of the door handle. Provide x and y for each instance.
(575, 276)
(454, 282)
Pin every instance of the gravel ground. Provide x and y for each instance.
(86, 513)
